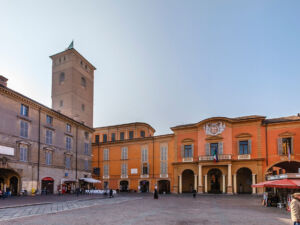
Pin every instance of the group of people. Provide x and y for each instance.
(5, 194)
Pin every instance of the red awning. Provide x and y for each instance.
(284, 183)
(47, 179)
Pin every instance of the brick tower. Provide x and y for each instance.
(73, 85)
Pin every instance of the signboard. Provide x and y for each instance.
(7, 150)
(134, 171)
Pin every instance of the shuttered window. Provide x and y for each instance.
(164, 160)
(106, 170)
(68, 162)
(124, 153)
(106, 154)
(86, 148)
(144, 155)
(124, 169)
(23, 153)
(285, 146)
(49, 137)
(48, 158)
(24, 129)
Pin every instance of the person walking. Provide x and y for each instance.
(194, 193)
(295, 209)
(110, 193)
(155, 194)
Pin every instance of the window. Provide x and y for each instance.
(145, 169)
(122, 136)
(130, 134)
(105, 170)
(106, 154)
(213, 148)
(61, 78)
(86, 148)
(163, 168)
(243, 147)
(113, 137)
(48, 137)
(104, 137)
(68, 128)
(68, 162)
(86, 135)
(61, 103)
(124, 153)
(142, 133)
(82, 107)
(144, 155)
(96, 171)
(23, 153)
(286, 146)
(163, 153)
(24, 129)
(188, 153)
(97, 139)
(105, 185)
(163, 160)
(124, 170)
(86, 164)
(68, 143)
(24, 110)
(83, 82)
(48, 158)
(49, 120)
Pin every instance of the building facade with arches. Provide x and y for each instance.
(215, 155)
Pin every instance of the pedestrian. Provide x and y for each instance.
(110, 193)
(194, 193)
(155, 194)
(295, 209)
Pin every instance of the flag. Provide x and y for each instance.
(216, 159)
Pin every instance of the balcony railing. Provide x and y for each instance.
(163, 175)
(145, 176)
(211, 157)
(187, 159)
(124, 176)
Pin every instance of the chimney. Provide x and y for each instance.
(3, 81)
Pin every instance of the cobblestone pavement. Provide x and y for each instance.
(143, 209)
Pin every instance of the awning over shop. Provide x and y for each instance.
(284, 183)
(90, 180)
(67, 180)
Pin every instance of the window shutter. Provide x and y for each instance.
(279, 144)
(182, 151)
(148, 169)
(249, 146)
(26, 154)
(192, 150)
(107, 154)
(161, 168)
(220, 148)
(207, 149)
(126, 153)
(238, 147)
(292, 145)
(21, 154)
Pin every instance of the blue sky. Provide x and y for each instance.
(161, 62)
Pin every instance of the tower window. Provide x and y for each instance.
(82, 107)
(61, 78)
(83, 82)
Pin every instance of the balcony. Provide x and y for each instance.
(245, 156)
(211, 157)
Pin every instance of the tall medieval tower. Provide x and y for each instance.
(73, 85)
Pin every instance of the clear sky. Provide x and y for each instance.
(161, 62)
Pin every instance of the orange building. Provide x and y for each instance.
(215, 155)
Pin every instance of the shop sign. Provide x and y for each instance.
(7, 150)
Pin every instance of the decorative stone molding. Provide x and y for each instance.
(244, 135)
(286, 134)
(214, 129)
(246, 156)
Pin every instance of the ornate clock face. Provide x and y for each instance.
(214, 128)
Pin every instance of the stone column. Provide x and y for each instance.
(195, 182)
(180, 184)
(205, 177)
(229, 185)
(253, 182)
(234, 184)
(224, 186)
(200, 187)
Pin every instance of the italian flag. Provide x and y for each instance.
(216, 156)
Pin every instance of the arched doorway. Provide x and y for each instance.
(244, 181)
(164, 186)
(187, 181)
(124, 186)
(47, 185)
(13, 185)
(144, 186)
(9, 181)
(214, 181)
(284, 167)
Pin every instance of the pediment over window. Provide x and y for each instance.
(49, 149)
(187, 140)
(286, 134)
(214, 138)
(23, 143)
(243, 135)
